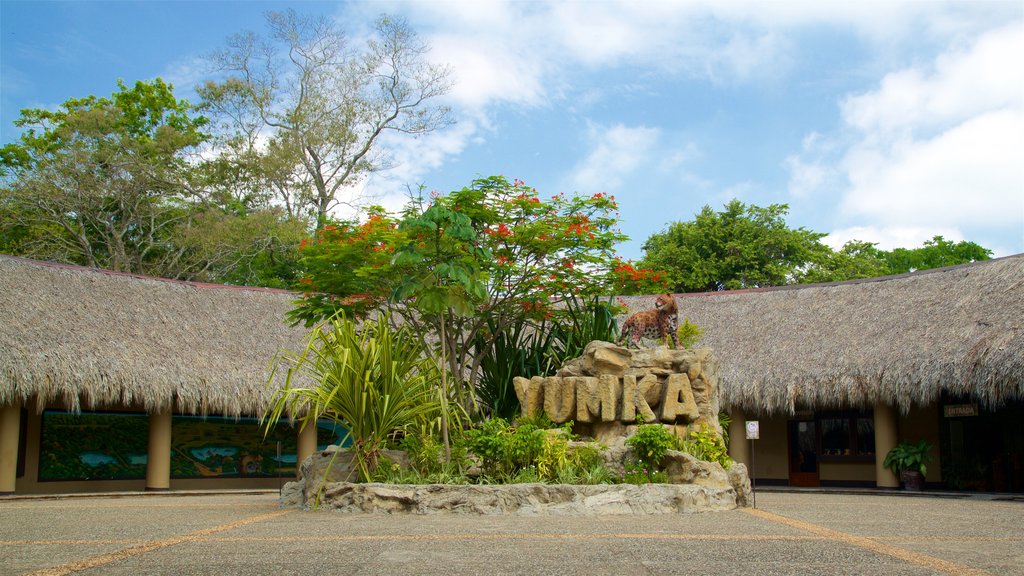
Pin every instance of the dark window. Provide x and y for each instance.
(847, 435)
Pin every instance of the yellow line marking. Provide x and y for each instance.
(150, 546)
(917, 558)
(67, 542)
(507, 536)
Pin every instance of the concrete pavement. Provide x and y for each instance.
(244, 533)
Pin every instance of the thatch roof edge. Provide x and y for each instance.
(904, 340)
(89, 338)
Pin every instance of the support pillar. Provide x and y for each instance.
(739, 446)
(10, 432)
(886, 437)
(158, 456)
(306, 445)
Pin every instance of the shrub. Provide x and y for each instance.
(705, 444)
(373, 380)
(688, 333)
(650, 443)
(529, 453)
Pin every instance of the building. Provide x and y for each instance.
(837, 374)
(97, 368)
(112, 381)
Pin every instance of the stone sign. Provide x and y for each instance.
(611, 385)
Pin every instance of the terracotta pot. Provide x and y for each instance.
(913, 480)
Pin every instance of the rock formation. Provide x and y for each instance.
(609, 388)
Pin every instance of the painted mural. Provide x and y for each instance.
(112, 446)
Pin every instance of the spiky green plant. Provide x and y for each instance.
(372, 380)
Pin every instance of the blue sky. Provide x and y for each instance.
(889, 122)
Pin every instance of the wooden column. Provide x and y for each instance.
(886, 437)
(739, 446)
(306, 445)
(10, 432)
(158, 457)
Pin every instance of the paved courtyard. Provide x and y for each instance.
(789, 533)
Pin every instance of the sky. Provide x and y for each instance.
(884, 121)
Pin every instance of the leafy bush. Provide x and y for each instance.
(391, 473)
(907, 456)
(650, 444)
(505, 450)
(529, 453)
(373, 380)
(688, 333)
(705, 444)
(425, 450)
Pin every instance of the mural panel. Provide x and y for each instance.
(112, 446)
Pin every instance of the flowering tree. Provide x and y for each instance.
(464, 266)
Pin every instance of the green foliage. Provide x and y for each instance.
(935, 253)
(688, 334)
(650, 443)
(705, 444)
(739, 247)
(638, 472)
(749, 247)
(858, 259)
(583, 320)
(478, 270)
(724, 420)
(854, 260)
(907, 456)
(528, 453)
(518, 350)
(114, 183)
(102, 182)
(374, 381)
(505, 450)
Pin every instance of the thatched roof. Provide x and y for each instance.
(95, 338)
(900, 339)
(92, 338)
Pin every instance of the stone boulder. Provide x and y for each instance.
(527, 499)
(330, 466)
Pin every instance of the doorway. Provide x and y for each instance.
(803, 453)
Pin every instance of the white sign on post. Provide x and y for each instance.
(753, 433)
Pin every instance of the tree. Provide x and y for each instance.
(857, 259)
(739, 247)
(326, 105)
(464, 267)
(935, 253)
(854, 260)
(102, 181)
(257, 247)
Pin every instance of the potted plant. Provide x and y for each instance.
(908, 462)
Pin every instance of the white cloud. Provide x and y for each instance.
(934, 149)
(969, 175)
(959, 85)
(805, 178)
(616, 152)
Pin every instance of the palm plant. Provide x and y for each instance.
(372, 380)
